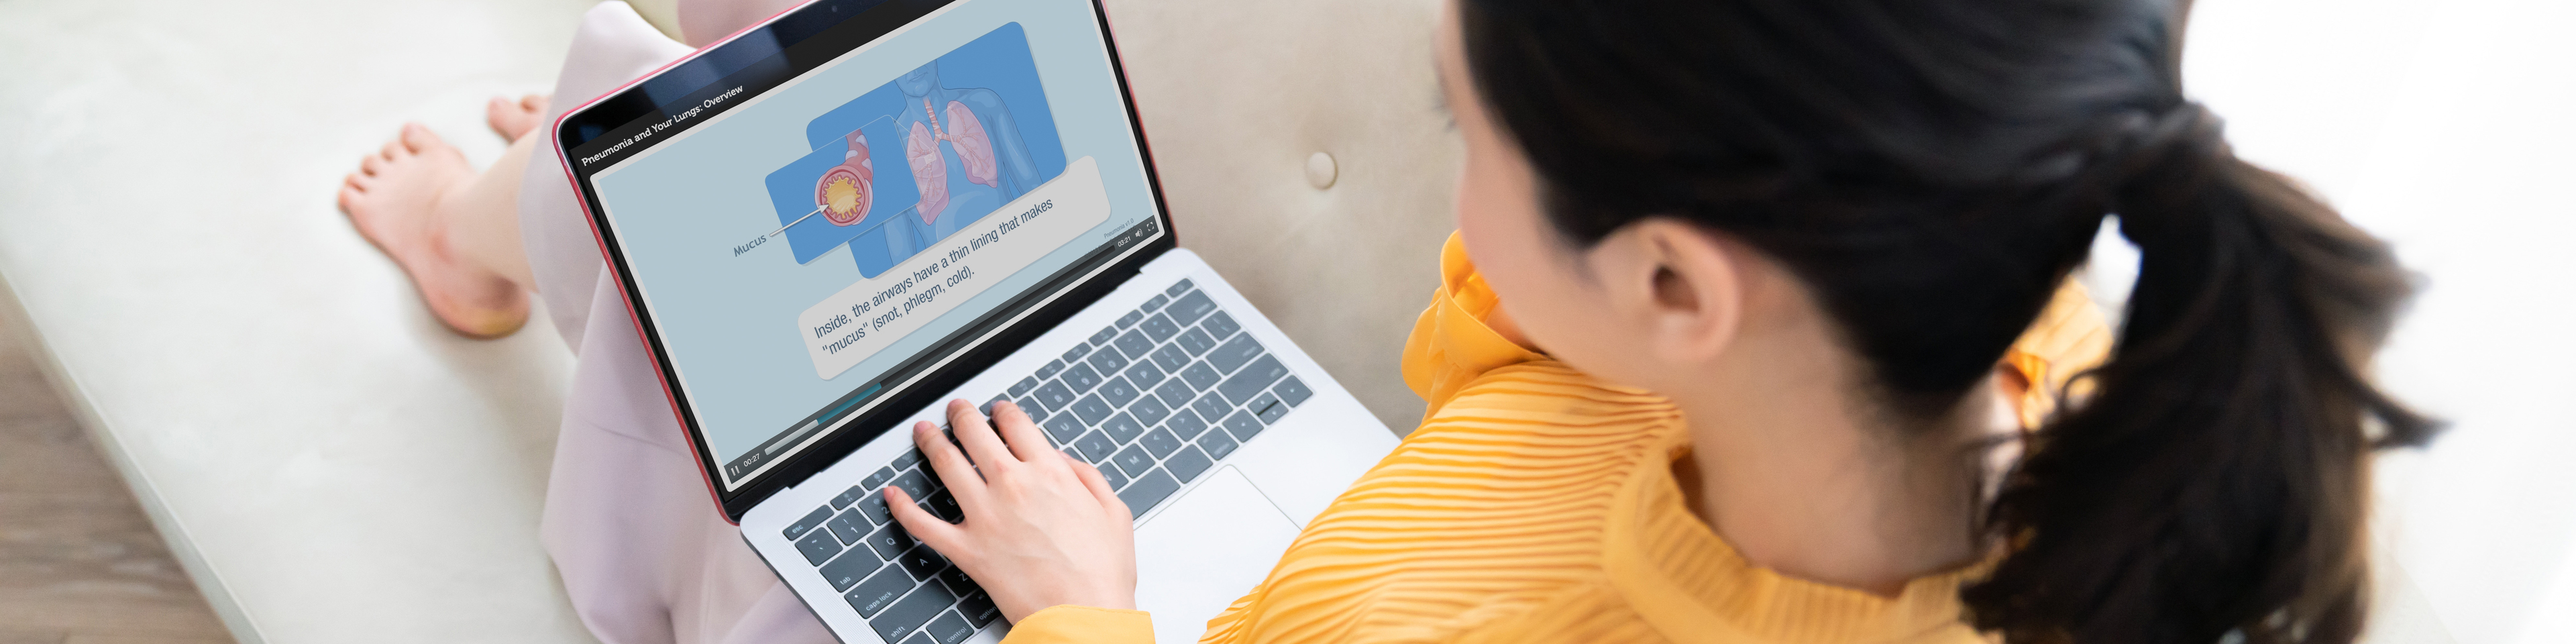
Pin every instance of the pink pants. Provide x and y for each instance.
(644, 553)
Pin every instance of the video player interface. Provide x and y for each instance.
(801, 246)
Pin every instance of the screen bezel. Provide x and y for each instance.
(762, 49)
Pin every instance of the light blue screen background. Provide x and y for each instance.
(729, 323)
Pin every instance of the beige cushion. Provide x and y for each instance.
(1237, 97)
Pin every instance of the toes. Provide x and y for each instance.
(373, 165)
(357, 181)
(349, 198)
(393, 150)
(418, 138)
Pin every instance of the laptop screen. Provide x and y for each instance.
(824, 211)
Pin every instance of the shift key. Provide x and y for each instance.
(911, 612)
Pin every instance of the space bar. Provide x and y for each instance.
(1147, 491)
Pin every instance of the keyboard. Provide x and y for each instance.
(1155, 399)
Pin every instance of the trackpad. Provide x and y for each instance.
(1206, 551)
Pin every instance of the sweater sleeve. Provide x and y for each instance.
(1082, 625)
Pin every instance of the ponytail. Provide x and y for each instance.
(2213, 483)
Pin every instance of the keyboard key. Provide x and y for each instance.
(944, 506)
(877, 480)
(909, 458)
(1155, 302)
(987, 407)
(1118, 391)
(850, 527)
(1037, 413)
(1144, 374)
(1104, 336)
(1175, 393)
(1195, 341)
(1253, 380)
(922, 562)
(1096, 447)
(1081, 378)
(1217, 445)
(979, 608)
(846, 570)
(914, 483)
(1178, 288)
(1294, 391)
(1202, 375)
(1149, 489)
(1110, 473)
(1186, 424)
(1076, 353)
(1055, 395)
(1159, 328)
(1134, 460)
(1023, 387)
(1129, 319)
(1063, 428)
(1235, 353)
(1149, 410)
(849, 496)
(1188, 463)
(874, 508)
(819, 547)
(1220, 325)
(1049, 371)
(1171, 358)
(1122, 429)
(1212, 405)
(1190, 308)
(1135, 344)
(879, 591)
(811, 521)
(921, 638)
(1092, 409)
(958, 583)
(1160, 441)
(950, 628)
(1242, 425)
(1268, 408)
(912, 611)
(890, 541)
(1108, 361)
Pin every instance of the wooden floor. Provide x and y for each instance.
(79, 564)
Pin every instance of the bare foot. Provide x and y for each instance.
(393, 200)
(514, 119)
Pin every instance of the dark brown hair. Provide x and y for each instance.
(1932, 170)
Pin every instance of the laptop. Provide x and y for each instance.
(831, 223)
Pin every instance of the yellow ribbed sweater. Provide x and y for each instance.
(1536, 504)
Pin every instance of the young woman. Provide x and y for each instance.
(1716, 358)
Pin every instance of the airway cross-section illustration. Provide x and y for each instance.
(973, 131)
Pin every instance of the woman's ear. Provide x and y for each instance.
(1681, 285)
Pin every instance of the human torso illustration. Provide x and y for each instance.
(965, 154)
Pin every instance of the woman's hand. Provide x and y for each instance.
(1041, 529)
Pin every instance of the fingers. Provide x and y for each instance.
(929, 528)
(1099, 486)
(1023, 435)
(951, 465)
(976, 434)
